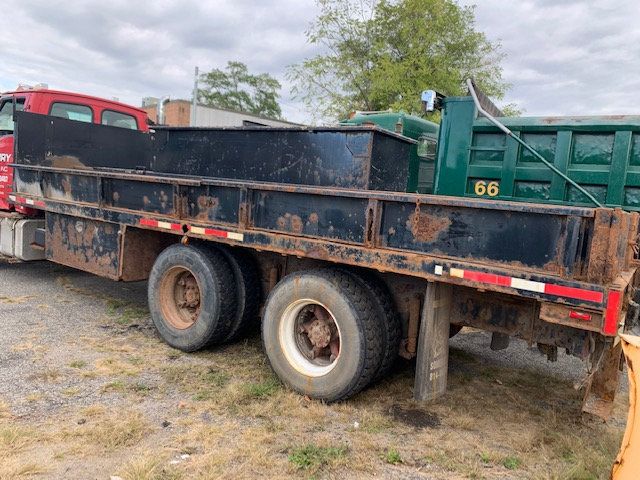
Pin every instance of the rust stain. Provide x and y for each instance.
(290, 223)
(67, 161)
(66, 185)
(207, 207)
(296, 224)
(426, 227)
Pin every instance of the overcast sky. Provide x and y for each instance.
(563, 56)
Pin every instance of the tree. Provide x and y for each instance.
(381, 54)
(237, 89)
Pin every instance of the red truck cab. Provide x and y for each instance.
(74, 106)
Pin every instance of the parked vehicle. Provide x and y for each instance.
(19, 223)
(315, 226)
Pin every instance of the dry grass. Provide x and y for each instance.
(150, 466)
(233, 418)
(108, 431)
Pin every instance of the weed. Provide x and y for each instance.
(78, 364)
(392, 456)
(263, 389)
(312, 457)
(511, 463)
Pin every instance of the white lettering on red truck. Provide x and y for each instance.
(5, 157)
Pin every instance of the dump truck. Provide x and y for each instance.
(312, 231)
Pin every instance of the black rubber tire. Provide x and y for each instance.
(217, 296)
(392, 329)
(248, 292)
(357, 318)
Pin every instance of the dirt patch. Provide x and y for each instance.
(414, 417)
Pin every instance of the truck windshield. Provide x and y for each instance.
(6, 112)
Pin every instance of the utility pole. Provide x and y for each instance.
(194, 99)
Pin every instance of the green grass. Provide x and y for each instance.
(511, 463)
(263, 389)
(125, 313)
(313, 457)
(392, 456)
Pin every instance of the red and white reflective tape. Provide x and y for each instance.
(211, 232)
(27, 201)
(522, 284)
(147, 222)
(217, 233)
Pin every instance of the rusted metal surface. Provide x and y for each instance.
(417, 235)
(512, 316)
(409, 345)
(88, 245)
(427, 227)
(603, 381)
(318, 334)
(560, 314)
(139, 251)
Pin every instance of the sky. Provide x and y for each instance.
(563, 57)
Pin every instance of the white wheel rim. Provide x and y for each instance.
(288, 336)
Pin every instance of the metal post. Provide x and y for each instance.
(432, 360)
(194, 99)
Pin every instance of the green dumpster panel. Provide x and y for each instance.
(601, 154)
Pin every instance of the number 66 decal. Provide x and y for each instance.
(491, 189)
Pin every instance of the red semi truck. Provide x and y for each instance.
(18, 223)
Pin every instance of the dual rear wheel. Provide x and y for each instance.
(328, 333)
(200, 295)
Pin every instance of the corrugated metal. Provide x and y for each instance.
(602, 154)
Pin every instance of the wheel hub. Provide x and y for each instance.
(180, 297)
(321, 334)
(191, 292)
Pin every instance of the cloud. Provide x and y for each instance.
(563, 57)
(567, 57)
(130, 49)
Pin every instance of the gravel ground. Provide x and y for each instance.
(43, 305)
(60, 328)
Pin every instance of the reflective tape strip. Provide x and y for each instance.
(572, 292)
(522, 284)
(612, 313)
(211, 232)
(27, 201)
(147, 222)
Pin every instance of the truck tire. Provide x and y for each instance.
(192, 296)
(322, 334)
(248, 292)
(392, 330)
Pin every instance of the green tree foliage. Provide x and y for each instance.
(381, 54)
(236, 89)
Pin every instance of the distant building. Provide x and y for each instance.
(177, 113)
